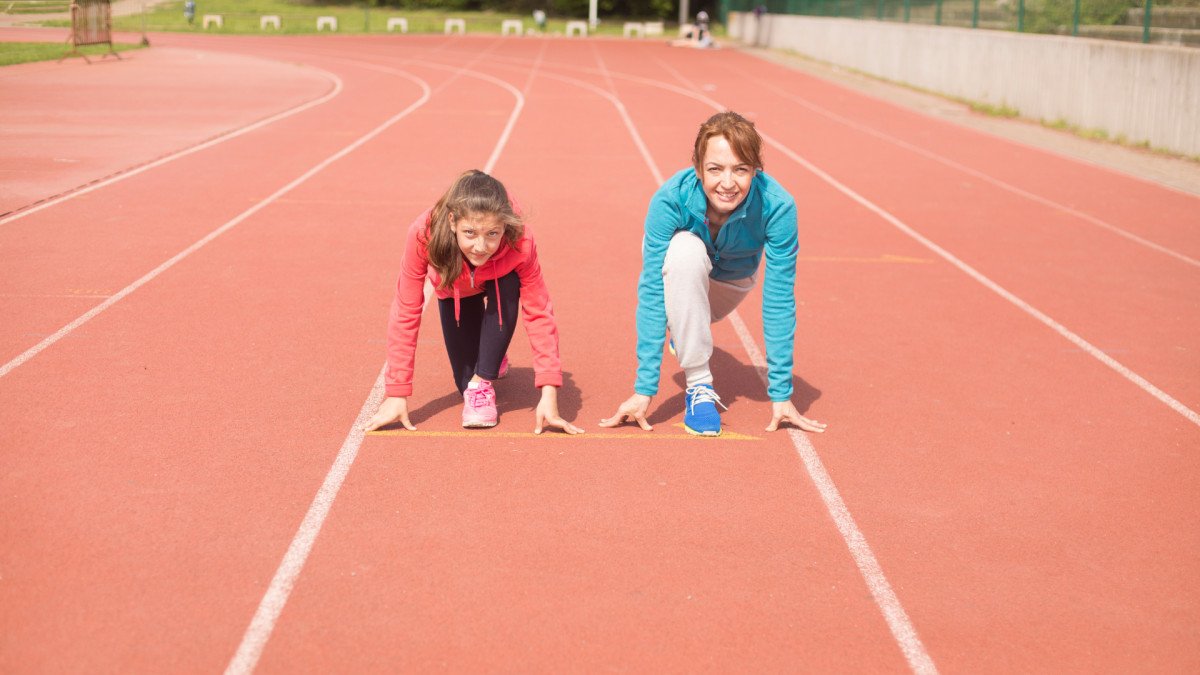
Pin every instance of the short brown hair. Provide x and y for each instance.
(740, 132)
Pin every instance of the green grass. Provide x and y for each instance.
(241, 17)
(17, 7)
(27, 52)
(990, 109)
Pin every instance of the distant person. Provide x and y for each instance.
(480, 258)
(703, 36)
(539, 19)
(708, 229)
(189, 11)
(759, 11)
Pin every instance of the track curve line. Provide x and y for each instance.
(130, 172)
(152, 274)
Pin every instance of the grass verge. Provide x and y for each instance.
(28, 52)
(243, 17)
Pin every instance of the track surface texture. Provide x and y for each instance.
(199, 245)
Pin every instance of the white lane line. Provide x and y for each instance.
(868, 565)
(996, 288)
(929, 154)
(269, 609)
(625, 119)
(1141, 382)
(54, 201)
(149, 276)
(262, 625)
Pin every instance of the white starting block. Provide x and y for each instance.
(633, 29)
(397, 21)
(574, 27)
(269, 20)
(215, 19)
(329, 22)
(652, 28)
(513, 25)
(452, 24)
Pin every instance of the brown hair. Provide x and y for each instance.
(474, 192)
(739, 131)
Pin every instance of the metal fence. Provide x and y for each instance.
(1177, 23)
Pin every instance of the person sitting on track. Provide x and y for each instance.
(705, 232)
(482, 261)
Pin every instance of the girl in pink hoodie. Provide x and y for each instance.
(482, 262)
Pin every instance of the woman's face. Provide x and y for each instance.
(726, 179)
(479, 236)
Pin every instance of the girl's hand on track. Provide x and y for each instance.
(393, 408)
(547, 413)
(633, 408)
(784, 411)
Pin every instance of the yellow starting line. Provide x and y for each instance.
(555, 434)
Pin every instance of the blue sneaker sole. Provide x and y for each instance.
(710, 434)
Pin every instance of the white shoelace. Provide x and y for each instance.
(700, 394)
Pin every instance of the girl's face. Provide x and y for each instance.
(479, 236)
(726, 178)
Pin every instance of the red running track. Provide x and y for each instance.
(991, 496)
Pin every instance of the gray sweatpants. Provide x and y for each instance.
(694, 302)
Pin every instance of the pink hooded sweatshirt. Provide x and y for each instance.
(404, 320)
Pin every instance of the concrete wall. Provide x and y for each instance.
(1142, 92)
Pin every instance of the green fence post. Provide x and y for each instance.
(858, 9)
(1021, 16)
(879, 10)
(1075, 20)
(975, 14)
(938, 17)
(1146, 24)
(907, 8)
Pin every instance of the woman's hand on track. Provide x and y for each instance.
(633, 408)
(547, 413)
(393, 408)
(784, 411)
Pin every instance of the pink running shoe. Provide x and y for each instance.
(503, 367)
(479, 405)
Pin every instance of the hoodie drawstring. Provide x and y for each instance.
(457, 313)
(471, 276)
(496, 287)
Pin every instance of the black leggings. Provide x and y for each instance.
(478, 341)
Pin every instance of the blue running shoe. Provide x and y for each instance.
(700, 414)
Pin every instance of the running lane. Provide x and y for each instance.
(1029, 501)
(158, 460)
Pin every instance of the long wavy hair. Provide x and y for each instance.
(474, 192)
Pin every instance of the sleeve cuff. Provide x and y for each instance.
(548, 379)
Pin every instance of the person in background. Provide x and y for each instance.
(189, 11)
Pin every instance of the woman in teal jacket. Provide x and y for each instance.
(706, 231)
